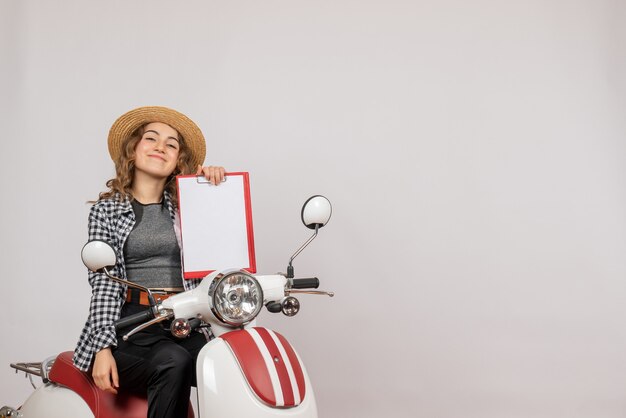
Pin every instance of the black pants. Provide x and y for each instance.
(156, 364)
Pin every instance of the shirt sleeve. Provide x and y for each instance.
(106, 295)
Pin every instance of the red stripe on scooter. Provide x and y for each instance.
(281, 369)
(295, 364)
(251, 361)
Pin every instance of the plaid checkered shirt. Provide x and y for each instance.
(111, 220)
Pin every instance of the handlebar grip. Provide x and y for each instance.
(306, 283)
(133, 319)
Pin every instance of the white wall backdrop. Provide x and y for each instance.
(474, 153)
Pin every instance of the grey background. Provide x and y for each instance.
(473, 151)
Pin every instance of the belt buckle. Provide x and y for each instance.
(161, 295)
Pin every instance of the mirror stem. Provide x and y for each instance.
(131, 284)
(290, 274)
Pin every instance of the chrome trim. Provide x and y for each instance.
(303, 246)
(31, 369)
(290, 306)
(164, 314)
(8, 412)
(180, 328)
(311, 292)
(135, 286)
(46, 366)
(28, 368)
(214, 285)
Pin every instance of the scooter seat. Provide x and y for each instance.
(102, 404)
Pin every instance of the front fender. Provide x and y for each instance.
(224, 387)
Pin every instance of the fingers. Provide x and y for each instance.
(103, 381)
(218, 175)
(103, 369)
(214, 174)
(115, 377)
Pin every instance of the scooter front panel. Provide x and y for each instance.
(223, 390)
(274, 375)
(294, 366)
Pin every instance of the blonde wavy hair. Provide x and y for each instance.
(120, 186)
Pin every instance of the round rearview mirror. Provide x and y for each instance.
(97, 255)
(316, 212)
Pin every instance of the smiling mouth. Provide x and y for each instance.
(157, 157)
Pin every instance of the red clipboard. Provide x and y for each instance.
(215, 224)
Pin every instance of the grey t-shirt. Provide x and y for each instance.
(151, 251)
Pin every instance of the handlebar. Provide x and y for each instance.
(305, 283)
(133, 319)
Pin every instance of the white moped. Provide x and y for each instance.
(246, 371)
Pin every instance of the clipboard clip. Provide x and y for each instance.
(203, 180)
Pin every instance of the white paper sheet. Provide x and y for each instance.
(216, 227)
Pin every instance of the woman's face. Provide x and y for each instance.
(157, 151)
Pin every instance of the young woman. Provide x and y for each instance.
(138, 217)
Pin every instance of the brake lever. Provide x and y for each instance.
(162, 317)
(312, 292)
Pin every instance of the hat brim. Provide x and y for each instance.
(130, 121)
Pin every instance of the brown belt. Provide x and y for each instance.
(141, 297)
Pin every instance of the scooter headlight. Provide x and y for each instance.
(236, 298)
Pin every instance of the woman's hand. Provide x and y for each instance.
(105, 371)
(214, 174)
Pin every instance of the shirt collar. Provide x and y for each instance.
(125, 206)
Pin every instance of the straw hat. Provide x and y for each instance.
(128, 123)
